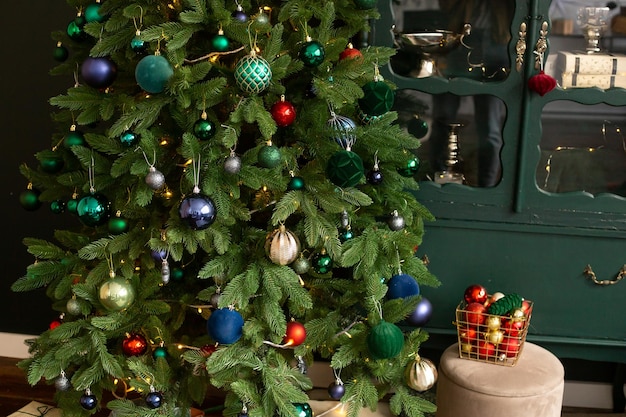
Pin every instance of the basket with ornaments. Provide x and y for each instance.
(492, 327)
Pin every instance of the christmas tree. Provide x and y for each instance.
(242, 201)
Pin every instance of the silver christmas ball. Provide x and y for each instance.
(215, 299)
(155, 179)
(73, 307)
(396, 222)
(62, 383)
(301, 265)
(232, 165)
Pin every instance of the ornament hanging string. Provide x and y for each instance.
(91, 175)
(196, 174)
(138, 26)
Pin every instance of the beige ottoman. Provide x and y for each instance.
(533, 387)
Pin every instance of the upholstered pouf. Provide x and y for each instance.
(468, 388)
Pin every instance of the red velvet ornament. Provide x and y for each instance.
(134, 345)
(350, 53)
(295, 334)
(475, 294)
(541, 83)
(283, 112)
(208, 350)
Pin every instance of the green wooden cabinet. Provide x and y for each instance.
(558, 206)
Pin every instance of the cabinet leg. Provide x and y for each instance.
(619, 400)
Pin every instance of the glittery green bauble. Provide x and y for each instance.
(345, 169)
(312, 53)
(303, 410)
(378, 98)
(74, 138)
(411, 168)
(93, 209)
(322, 263)
(295, 183)
(253, 74)
(269, 156)
(204, 129)
(385, 340)
(365, 4)
(301, 265)
(220, 43)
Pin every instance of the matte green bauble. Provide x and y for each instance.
(204, 129)
(60, 53)
(385, 340)
(57, 206)
(220, 42)
(365, 4)
(295, 183)
(72, 205)
(118, 225)
(74, 138)
(116, 294)
(253, 74)
(345, 169)
(269, 156)
(51, 163)
(29, 199)
(177, 273)
(152, 73)
(411, 168)
(160, 352)
(92, 13)
(378, 98)
(303, 410)
(93, 209)
(312, 53)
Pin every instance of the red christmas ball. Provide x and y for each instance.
(283, 112)
(134, 345)
(54, 324)
(510, 346)
(350, 53)
(475, 294)
(475, 314)
(468, 336)
(513, 327)
(295, 334)
(208, 350)
(486, 350)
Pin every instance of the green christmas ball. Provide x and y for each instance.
(345, 169)
(365, 4)
(73, 307)
(269, 156)
(378, 98)
(253, 74)
(75, 29)
(385, 340)
(301, 265)
(29, 199)
(346, 235)
(177, 273)
(417, 127)
(51, 163)
(93, 209)
(138, 45)
(204, 129)
(312, 53)
(160, 352)
(72, 205)
(116, 294)
(322, 263)
(220, 42)
(60, 53)
(92, 13)
(74, 138)
(129, 138)
(303, 410)
(411, 168)
(295, 183)
(152, 73)
(117, 225)
(57, 206)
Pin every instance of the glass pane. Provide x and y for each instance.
(582, 148)
(461, 136)
(453, 38)
(587, 45)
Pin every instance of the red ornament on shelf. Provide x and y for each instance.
(134, 345)
(295, 334)
(475, 294)
(486, 350)
(475, 314)
(350, 53)
(541, 83)
(283, 112)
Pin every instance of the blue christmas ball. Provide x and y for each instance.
(402, 286)
(88, 401)
(152, 73)
(198, 211)
(336, 390)
(225, 326)
(422, 313)
(154, 399)
(98, 72)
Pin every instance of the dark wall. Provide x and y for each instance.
(25, 128)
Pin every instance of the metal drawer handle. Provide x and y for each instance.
(589, 272)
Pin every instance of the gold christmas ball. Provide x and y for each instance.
(282, 246)
(466, 347)
(495, 336)
(116, 294)
(518, 315)
(493, 322)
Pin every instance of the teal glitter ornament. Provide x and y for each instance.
(93, 209)
(220, 42)
(74, 138)
(295, 183)
(345, 169)
(322, 262)
(269, 156)
(303, 410)
(312, 53)
(204, 129)
(129, 138)
(378, 98)
(152, 73)
(92, 13)
(411, 167)
(253, 74)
